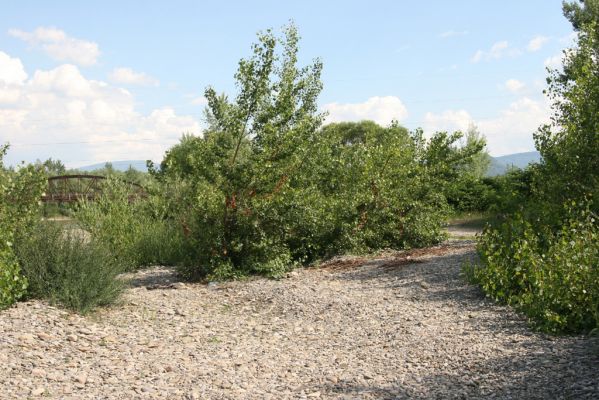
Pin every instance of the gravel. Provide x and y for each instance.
(400, 325)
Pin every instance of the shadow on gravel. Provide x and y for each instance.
(548, 373)
(153, 278)
(544, 367)
(438, 280)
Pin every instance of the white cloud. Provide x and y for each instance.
(509, 132)
(11, 70)
(127, 76)
(498, 50)
(452, 33)
(199, 101)
(536, 43)
(554, 62)
(514, 85)
(58, 45)
(569, 39)
(381, 110)
(448, 120)
(63, 106)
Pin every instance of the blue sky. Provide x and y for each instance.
(89, 82)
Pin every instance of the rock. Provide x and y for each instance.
(38, 372)
(193, 396)
(26, 337)
(67, 389)
(178, 285)
(72, 338)
(81, 378)
(44, 336)
(38, 391)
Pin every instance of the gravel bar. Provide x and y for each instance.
(402, 325)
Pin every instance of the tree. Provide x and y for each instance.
(52, 167)
(569, 145)
(251, 153)
(480, 161)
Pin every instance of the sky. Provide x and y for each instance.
(88, 82)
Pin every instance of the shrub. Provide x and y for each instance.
(12, 284)
(20, 192)
(67, 268)
(113, 219)
(552, 277)
(137, 232)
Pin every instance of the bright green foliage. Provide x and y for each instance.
(20, 194)
(471, 190)
(135, 231)
(112, 219)
(542, 252)
(67, 268)
(570, 145)
(552, 277)
(266, 187)
(247, 160)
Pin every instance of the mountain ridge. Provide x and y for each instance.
(499, 165)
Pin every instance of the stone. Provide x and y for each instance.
(81, 378)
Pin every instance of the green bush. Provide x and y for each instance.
(552, 277)
(20, 193)
(12, 284)
(69, 269)
(138, 232)
(113, 219)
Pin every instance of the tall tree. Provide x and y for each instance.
(569, 145)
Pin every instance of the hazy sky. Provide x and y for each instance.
(88, 82)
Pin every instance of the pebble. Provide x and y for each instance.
(38, 391)
(332, 333)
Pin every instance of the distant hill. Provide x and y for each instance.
(500, 165)
(139, 165)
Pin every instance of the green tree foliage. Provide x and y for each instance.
(20, 193)
(542, 255)
(52, 167)
(267, 187)
(570, 144)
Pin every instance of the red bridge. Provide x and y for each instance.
(73, 188)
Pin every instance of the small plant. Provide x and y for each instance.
(66, 268)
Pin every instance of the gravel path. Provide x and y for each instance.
(400, 326)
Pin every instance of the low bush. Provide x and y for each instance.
(137, 231)
(65, 267)
(553, 277)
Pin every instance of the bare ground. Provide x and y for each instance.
(403, 325)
